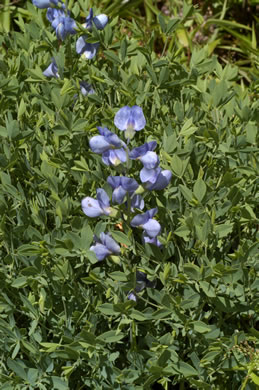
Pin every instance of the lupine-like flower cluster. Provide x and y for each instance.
(126, 198)
(114, 151)
(64, 25)
(89, 50)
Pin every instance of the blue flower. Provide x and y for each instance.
(137, 202)
(86, 88)
(100, 21)
(141, 283)
(96, 207)
(145, 221)
(89, 50)
(140, 151)
(109, 145)
(130, 118)
(105, 246)
(121, 185)
(155, 179)
(62, 24)
(150, 160)
(52, 70)
(148, 240)
(44, 3)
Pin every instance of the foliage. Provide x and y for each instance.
(66, 322)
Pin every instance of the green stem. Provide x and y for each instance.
(128, 195)
(165, 46)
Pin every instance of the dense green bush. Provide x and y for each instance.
(66, 322)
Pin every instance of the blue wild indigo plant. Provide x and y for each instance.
(154, 283)
(116, 152)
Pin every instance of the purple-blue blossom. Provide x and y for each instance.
(130, 119)
(63, 24)
(96, 207)
(86, 88)
(155, 179)
(137, 202)
(105, 246)
(150, 160)
(89, 50)
(100, 21)
(44, 3)
(121, 185)
(109, 145)
(150, 226)
(148, 240)
(52, 70)
(140, 151)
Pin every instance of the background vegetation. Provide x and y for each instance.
(66, 322)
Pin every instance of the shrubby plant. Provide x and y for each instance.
(107, 283)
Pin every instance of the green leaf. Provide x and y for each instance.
(208, 289)
(254, 378)
(59, 384)
(118, 275)
(111, 336)
(107, 309)
(199, 189)
(188, 128)
(112, 56)
(17, 369)
(224, 229)
(177, 165)
(121, 238)
(201, 327)
(137, 315)
(186, 192)
(193, 271)
(185, 369)
(19, 282)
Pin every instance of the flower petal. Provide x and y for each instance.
(150, 160)
(90, 50)
(70, 25)
(114, 181)
(52, 70)
(118, 195)
(103, 200)
(110, 243)
(121, 155)
(41, 3)
(80, 44)
(130, 185)
(138, 118)
(152, 212)
(122, 117)
(161, 182)
(139, 219)
(100, 21)
(86, 88)
(91, 207)
(149, 175)
(152, 227)
(137, 202)
(98, 144)
(100, 250)
(149, 240)
(132, 297)
(142, 150)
